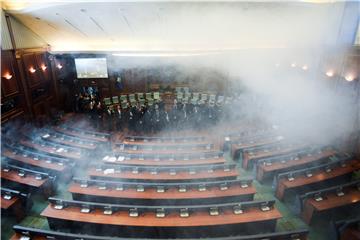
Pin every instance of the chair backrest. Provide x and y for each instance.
(204, 97)
(140, 96)
(148, 96)
(124, 105)
(220, 99)
(195, 95)
(156, 95)
(107, 101)
(115, 99)
(132, 97)
(123, 98)
(179, 95)
(212, 97)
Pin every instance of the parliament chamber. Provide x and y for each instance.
(180, 120)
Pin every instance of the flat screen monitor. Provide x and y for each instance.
(91, 67)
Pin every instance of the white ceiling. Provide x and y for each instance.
(180, 26)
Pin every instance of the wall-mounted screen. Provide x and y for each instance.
(91, 67)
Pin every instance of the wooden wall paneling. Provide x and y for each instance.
(9, 78)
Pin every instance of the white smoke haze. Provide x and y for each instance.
(281, 62)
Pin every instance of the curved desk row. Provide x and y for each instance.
(162, 194)
(161, 221)
(164, 174)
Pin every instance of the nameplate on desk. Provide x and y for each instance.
(133, 212)
(202, 188)
(238, 210)
(160, 189)
(214, 211)
(182, 188)
(184, 212)
(25, 238)
(223, 187)
(160, 213)
(38, 177)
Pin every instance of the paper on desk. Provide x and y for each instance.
(121, 158)
(112, 159)
(106, 158)
(46, 136)
(60, 150)
(109, 171)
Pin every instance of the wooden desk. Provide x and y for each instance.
(250, 159)
(162, 143)
(28, 182)
(13, 207)
(217, 174)
(284, 184)
(153, 162)
(39, 234)
(332, 201)
(52, 167)
(51, 150)
(85, 146)
(170, 197)
(81, 135)
(198, 224)
(263, 171)
(236, 147)
(163, 151)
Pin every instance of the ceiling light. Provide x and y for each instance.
(293, 65)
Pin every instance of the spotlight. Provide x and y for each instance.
(59, 66)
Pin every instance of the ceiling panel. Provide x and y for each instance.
(177, 26)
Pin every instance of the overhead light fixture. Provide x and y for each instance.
(32, 70)
(329, 73)
(277, 65)
(293, 65)
(7, 76)
(305, 67)
(59, 66)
